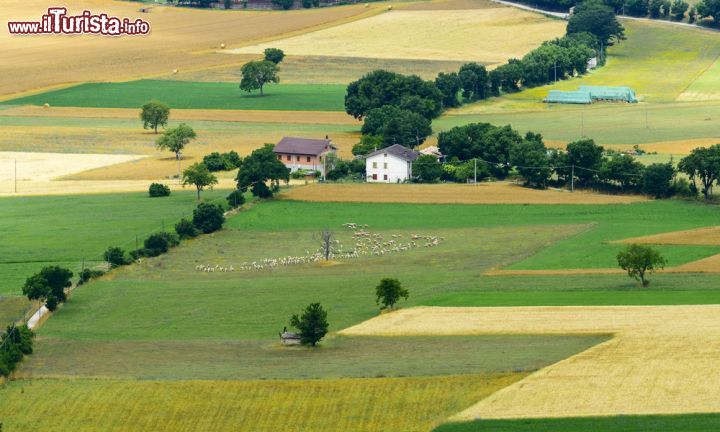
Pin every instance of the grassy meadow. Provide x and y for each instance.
(46, 230)
(649, 423)
(196, 95)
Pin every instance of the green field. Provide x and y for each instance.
(195, 95)
(669, 423)
(39, 231)
(338, 357)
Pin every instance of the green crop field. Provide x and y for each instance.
(650, 423)
(196, 95)
(66, 230)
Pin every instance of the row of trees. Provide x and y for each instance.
(485, 150)
(668, 9)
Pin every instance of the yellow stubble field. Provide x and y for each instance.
(660, 361)
(181, 38)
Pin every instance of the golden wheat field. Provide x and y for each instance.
(360, 405)
(472, 34)
(482, 193)
(181, 38)
(662, 359)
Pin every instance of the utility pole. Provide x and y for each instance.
(582, 124)
(647, 126)
(572, 179)
(555, 70)
(15, 178)
(136, 242)
(475, 172)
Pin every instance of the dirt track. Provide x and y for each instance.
(662, 360)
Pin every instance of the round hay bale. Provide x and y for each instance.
(367, 5)
(222, 46)
(47, 105)
(389, 7)
(175, 71)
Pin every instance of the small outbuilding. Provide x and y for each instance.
(390, 165)
(289, 338)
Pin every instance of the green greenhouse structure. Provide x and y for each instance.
(590, 94)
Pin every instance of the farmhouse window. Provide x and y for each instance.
(385, 165)
(297, 158)
(374, 164)
(385, 177)
(374, 176)
(287, 157)
(308, 158)
(279, 157)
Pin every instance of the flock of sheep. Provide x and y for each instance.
(366, 244)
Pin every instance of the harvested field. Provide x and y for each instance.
(661, 360)
(482, 193)
(359, 405)
(313, 69)
(434, 5)
(181, 38)
(49, 166)
(698, 236)
(476, 34)
(254, 116)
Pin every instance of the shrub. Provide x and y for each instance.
(160, 243)
(14, 344)
(185, 229)
(87, 274)
(115, 256)
(222, 162)
(158, 190)
(236, 199)
(208, 217)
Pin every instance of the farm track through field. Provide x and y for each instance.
(662, 359)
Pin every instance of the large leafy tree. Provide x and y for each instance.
(622, 170)
(258, 168)
(380, 88)
(449, 85)
(703, 164)
(427, 169)
(275, 55)
(595, 17)
(48, 285)
(312, 324)
(368, 144)
(531, 160)
(256, 74)
(199, 176)
(389, 291)
(491, 144)
(638, 260)
(586, 158)
(154, 114)
(474, 80)
(397, 126)
(657, 180)
(176, 139)
(709, 8)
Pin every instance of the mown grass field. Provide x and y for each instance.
(39, 231)
(337, 357)
(193, 95)
(407, 404)
(649, 423)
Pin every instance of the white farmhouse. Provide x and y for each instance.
(390, 165)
